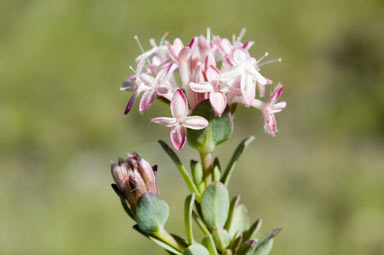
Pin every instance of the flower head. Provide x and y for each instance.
(180, 120)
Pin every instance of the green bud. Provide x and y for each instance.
(197, 174)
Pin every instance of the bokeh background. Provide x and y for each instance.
(61, 122)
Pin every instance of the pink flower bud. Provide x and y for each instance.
(134, 176)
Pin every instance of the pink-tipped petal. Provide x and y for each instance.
(270, 123)
(276, 94)
(195, 122)
(218, 102)
(168, 122)
(178, 136)
(202, 87)
(179, 104)
(131, 101)
(147, 100)
(247, 89)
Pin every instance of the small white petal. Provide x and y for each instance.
(168, 122)
(202, 87)
(178, 136)
(195, 122)
(218, 102)
(179, 104)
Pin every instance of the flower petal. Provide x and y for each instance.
(179, 104)
(147, 100)
(195, 122)
(218, 102)
(270, 123)
(231, 74)
(202, 87)
(168, 122)
(247, 89)
(131, 101)
(240, 56)
(178, 136)
(276, 94)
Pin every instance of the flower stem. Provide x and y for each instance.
(206, 162)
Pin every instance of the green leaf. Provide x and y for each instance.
(247, 248)
(188, 207)
(232, 163)
(235, 245)
(263, 244)
(209, 243)
(197, 174)
(234, 203)
(215, 205)
(265, 249)
(240, 221)
(216, 170)
(218, 130)
(221, 237)
(158, 241)
(151, 212)
(191, 186)
(252, 231)
(196, 249)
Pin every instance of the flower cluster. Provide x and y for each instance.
(210, 68)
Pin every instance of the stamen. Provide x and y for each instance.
(163, 38)
(270, 61)
(241, 35)
(264, 56)
(130, 67)
(141, 48)
(138, 42)
(208, 34)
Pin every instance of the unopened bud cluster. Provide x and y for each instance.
(134, 176)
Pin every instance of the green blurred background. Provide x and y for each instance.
(61, 64)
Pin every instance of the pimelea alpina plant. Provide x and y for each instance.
(203, 82)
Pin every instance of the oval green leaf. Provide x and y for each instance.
(151, 212)
(215, 205)
(218, 130)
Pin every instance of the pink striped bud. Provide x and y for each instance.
(134, 176)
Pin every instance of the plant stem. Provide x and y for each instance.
(206, 162)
